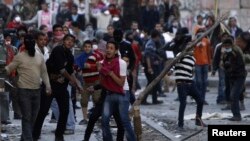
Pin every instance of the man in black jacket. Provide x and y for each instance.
(75, 17)
(235, 71)
(127, 51)
(60, 68)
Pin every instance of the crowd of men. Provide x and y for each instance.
(55, 55)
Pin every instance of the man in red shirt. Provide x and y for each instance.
(113, 74)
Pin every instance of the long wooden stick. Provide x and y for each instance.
(165, 70)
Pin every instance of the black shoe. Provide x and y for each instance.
(53, 121)
(83, 122)
(145, 103)
(36, 138)
(3, 131)
(222, 102)
(205, 103)
(199, 122)
(158, 102)
(16, 116)
(59, 139)
(180, 129)
(235, 119)
(5, 122)
(162, 95)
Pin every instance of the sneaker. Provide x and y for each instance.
(235, 119)
(53, 121)
(82, 122)
(69, 132)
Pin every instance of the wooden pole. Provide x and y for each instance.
(216, 8)
(165, 70)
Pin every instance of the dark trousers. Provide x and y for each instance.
(61, 95)
(15, 104)
(96, 113)
(236, 89)
(130, 84)
(185, 89)
(150, 78)
(227, 88)
(29, 101)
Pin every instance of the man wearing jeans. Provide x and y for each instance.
(202, 54)
(31, 67)
(113, 74)
(217, 65)
(186, 86)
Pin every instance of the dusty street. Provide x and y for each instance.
(163, 117)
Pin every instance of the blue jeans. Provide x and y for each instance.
(201, 72)
(185, 89)
(221, 88)
(236, 87)
(71, 117)
(29, 101)
(116, 102)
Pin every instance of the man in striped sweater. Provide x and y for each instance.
(185, 86)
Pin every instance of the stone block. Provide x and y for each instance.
(244, 12)
(207, 4)
(245, 3)
(229, 4)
